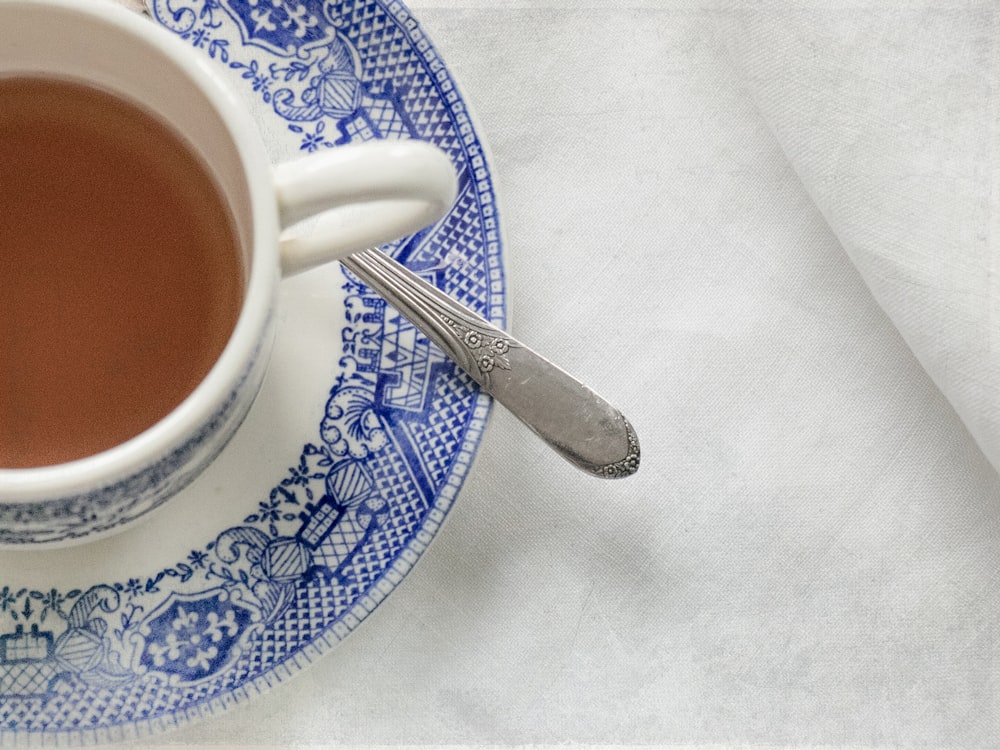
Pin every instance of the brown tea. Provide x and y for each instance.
(120, 274)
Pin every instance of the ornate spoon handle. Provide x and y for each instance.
(580, 425)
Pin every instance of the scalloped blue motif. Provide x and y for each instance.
(321, 548)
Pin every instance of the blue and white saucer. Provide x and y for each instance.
(352, 455)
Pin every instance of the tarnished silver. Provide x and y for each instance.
(580, 425)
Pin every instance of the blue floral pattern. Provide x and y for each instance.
(358, 504)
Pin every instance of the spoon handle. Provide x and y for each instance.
(576, 422)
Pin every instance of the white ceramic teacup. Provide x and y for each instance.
(405, 184)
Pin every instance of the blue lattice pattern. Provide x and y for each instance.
(389, 56)
(380, 111)
(439, 437)
(459, 234)
(392, 476)
(299, 625)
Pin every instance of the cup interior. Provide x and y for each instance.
(59, 40)
(103, 45)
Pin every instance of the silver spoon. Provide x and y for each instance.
(576, 422)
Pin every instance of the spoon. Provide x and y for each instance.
(577, 423)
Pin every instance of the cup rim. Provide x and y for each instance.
(135, 455)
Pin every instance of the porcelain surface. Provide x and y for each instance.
(351, 457)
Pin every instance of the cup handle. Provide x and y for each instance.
(397, 187)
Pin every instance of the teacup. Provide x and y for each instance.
(99, 47)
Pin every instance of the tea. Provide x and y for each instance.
(120, 272)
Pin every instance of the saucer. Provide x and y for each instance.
(351, 457)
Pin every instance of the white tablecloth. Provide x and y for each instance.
(810, 553)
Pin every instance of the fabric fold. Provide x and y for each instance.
(890, 117)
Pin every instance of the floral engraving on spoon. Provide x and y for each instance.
(486, 350)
